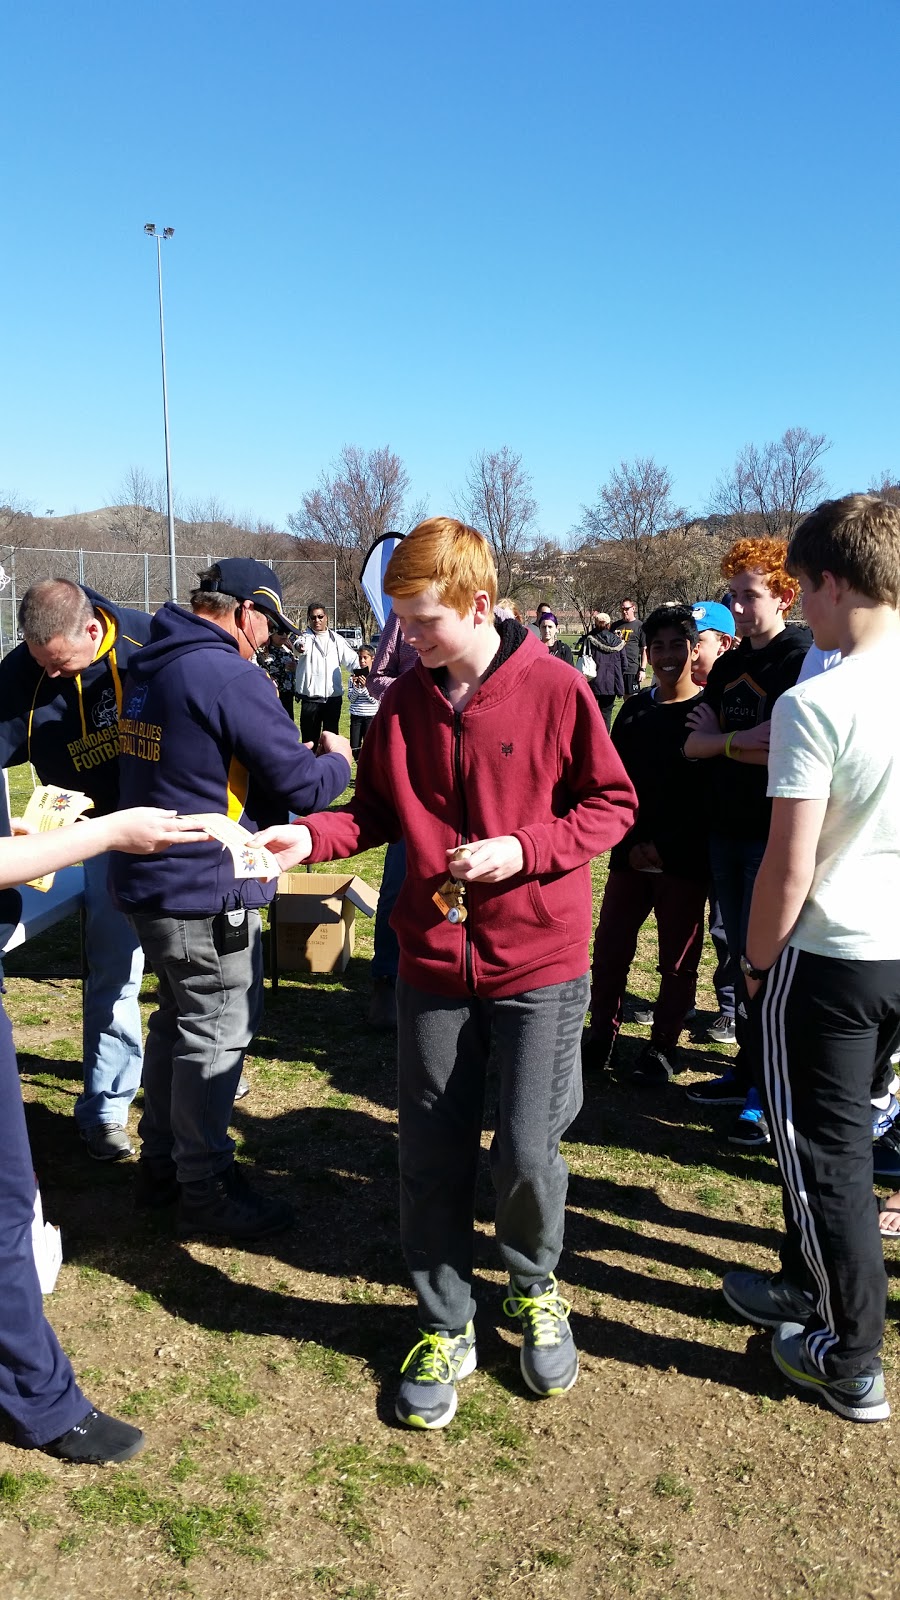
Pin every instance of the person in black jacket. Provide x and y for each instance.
(60, 704)
(548, 628)
(607, 652)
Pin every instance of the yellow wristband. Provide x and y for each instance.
(728, 747)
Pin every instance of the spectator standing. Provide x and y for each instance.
(606, 650)
(318, 681)
(662, 863)
(278, 660)
(730, 733)
(548, 628)
(363, 704)
(822, 960)
(630, 630)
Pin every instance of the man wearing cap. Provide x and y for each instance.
(203, 731)
(60, 702)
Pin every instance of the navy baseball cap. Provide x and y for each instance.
(246, 579)
(712, 614)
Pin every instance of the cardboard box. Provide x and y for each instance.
(315, 917)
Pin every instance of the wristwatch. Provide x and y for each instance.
(753, 972)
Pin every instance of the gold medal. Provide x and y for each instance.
(450, 901)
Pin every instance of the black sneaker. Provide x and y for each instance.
(724, 1091)
(653, 1067)
(156, 1184)
(596, 1054)
(226, 1205)
(751, 1131)
(96, 1440)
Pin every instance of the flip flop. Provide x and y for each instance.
(889, 1217)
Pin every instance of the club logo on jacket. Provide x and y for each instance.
(105, 714)
(506, 749)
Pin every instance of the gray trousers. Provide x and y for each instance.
(209, 1008)
(445, 1050)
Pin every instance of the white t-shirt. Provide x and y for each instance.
(837, 737)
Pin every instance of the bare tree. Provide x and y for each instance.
(362, 497)
(771, 488)
(137, 519)
(497, 500)
(887, 488)
(633, 508)
(17, 520)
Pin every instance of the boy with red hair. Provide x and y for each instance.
(491, 760)
(730, 731)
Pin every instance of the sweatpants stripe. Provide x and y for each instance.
(778, 1091)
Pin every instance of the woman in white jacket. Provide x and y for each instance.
(318, 681)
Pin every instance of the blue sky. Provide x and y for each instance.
(590, 231)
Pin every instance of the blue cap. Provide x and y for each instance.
(247, 579)
(712, 614)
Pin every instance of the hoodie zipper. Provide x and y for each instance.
(464, 824)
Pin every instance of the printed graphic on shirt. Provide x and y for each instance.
(743, 704)
(105, 714)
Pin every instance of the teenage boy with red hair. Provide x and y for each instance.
(491, 760)
(730, 732)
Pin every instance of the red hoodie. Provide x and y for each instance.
(528, 755)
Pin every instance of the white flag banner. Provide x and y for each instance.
(372, 575)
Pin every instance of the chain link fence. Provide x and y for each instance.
(142, 581)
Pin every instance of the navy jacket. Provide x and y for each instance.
(68, 728)
(204, 730)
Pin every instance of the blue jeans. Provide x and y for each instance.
(386, 958)
(734, 864)
(112, 1020)
(210, 1005)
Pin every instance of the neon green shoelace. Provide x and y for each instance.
(437, 1356)
(541, 1315)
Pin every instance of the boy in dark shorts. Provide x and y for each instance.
(661, 865)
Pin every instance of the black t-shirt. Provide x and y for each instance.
(633, 634)
(742, 688)
(649, 736)
(562, 652)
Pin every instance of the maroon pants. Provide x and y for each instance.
(680, 905)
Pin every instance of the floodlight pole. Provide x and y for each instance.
(159, 235)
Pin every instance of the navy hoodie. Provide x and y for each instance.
(204, 730)
(68, 728)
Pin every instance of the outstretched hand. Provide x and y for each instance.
(145, 830)
(289, 843)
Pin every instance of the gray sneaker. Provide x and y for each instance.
(549, 1359)
(107, 1141)
(860, 1399)
(766, 1299)
(722, 1031)
(427, 1395)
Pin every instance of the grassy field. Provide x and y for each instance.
(679, 1467)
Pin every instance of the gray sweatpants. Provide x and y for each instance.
(445, 1050)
